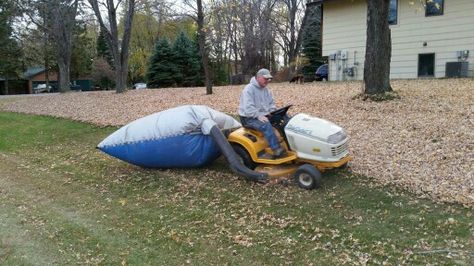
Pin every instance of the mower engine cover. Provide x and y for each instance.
(316, 139)
(174, 138)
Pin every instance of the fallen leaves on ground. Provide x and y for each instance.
(423, 142)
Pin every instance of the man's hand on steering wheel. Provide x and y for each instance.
(277, 117)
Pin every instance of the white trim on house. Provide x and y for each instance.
(344, 30)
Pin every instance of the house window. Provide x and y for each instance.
(434, 8)
(393, 12)
(426, 64)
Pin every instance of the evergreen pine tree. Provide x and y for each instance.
(103, 48)
(187, 61)
(104, 64)
(82, 52)
(10, 51)
(162, 69)
(311, 42)
(220, 73)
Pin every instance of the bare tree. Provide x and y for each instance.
(226, 22)
(290, 24)
(218, 39)
(155, 10)
(378, 48)
(257, 34)
(246, 34)
(57, 18)
(199, 17)
(119, 48)
(64, 14)
(202, 46)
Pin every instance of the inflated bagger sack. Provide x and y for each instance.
(174, 138)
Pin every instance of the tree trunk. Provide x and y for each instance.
(6, 85)
(64, 64)
(125, 49)
(378, 48)
(63, 76)
(202, 46)
(120, 55)
(64, 20)
(120, 79)
(293, 50)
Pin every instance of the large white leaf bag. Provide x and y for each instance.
(174, 138)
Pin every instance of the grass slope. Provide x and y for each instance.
(63, 202)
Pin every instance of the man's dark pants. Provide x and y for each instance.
(264, 127)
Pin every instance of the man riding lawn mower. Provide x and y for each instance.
(312, 145)
(274, 144)
(194, 136)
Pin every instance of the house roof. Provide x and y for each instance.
(33, 71)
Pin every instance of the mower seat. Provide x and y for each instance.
(259, 134)
(254, 132)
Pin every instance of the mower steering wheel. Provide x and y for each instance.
(278, 117)
(279, 112)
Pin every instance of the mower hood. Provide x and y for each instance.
(315, 128)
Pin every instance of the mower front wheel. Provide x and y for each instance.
(308, 177)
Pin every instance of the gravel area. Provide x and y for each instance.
(423, 142)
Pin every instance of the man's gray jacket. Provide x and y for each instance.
(256, 101)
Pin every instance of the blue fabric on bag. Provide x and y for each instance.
(182, 151)
(173, 138)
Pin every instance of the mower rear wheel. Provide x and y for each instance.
(244, 156)
(308, 177)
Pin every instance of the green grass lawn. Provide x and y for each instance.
(64, 202)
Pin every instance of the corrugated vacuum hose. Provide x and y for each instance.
(233, 159)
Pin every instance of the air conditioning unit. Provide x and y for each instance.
(457, 69)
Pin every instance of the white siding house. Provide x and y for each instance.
(421, 44)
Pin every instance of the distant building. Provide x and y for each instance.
(37, 75)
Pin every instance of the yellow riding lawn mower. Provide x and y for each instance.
(313, 145)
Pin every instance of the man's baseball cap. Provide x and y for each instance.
(265, 73)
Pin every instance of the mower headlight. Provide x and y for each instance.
(337, 137)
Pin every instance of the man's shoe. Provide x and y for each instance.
(279, 152)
